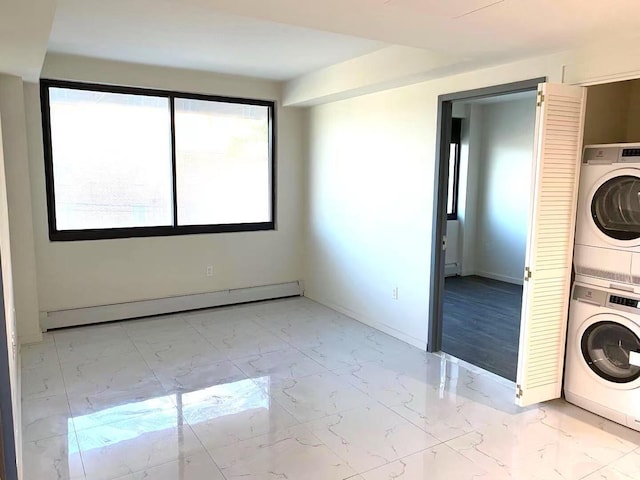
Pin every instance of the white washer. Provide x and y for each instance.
(602, 369)
(607, 242)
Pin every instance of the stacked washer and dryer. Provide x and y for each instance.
(602, 370)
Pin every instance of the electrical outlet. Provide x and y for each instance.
(209, 270)
(394, 293)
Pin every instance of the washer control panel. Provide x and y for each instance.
(609, 299)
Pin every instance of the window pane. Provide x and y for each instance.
(111, 159)
(452, 176)
(222, 163)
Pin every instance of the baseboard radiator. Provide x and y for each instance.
(451, 269)
(159, 306)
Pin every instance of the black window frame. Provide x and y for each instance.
(456, 136)
(157, 231)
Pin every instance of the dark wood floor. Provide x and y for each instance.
(482, 323)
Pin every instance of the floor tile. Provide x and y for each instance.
(316, 396)
(294, 453)
(289, 363)
(446, 416)
(222, 323)
(79, 345)
(38, 354)
(456, 404)
(370, 436)
(293, 305)
(391, 383)
(45, 381)
(115, 406)
(289, 389)
(45, 417)
(551, 444)
(302, 329)
(98, 375)
(231, 314)
(179, 352)
(160, 330)
(229, 413)
(343, 352)
(436, 463)
(89, 334)
(195, 467)
(567, 417)
(187, 378)
(52, 458)
(121, 448)
(240, 339)
(625, 468)
(388, 345)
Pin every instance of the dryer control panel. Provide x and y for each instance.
(624, 301)
(611, 153)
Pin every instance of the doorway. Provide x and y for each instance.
(484, 181)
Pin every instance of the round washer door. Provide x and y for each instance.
(615, 207)
(606, 343)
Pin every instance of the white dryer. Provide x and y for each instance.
(602, 369)
(607, 242)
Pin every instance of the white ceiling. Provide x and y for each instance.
(282, 39)
(472, 28)
(188, 35)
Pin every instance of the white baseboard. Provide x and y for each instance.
(370, 322)
(159, 306)
(500, 277)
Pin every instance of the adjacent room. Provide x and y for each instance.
(221, 226)
(488, 204)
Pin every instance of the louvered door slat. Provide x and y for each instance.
(559, 126)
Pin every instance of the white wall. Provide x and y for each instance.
(369, 216)
(470, 152)
(9, 313)
(101, 272)
(504, 189)
(371, 185)
(16, 165)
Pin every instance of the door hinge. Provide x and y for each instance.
(540, 99)
(518, 391)
(527, 274)
(444, 242)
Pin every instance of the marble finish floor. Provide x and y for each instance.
(289, 389)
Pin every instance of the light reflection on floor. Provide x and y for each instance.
(220, 400)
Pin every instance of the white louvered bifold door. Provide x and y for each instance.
(557, 154)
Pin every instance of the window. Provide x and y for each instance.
(454, 169)
(129, 162)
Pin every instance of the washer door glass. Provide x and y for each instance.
(615, 207)
(606, 347)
